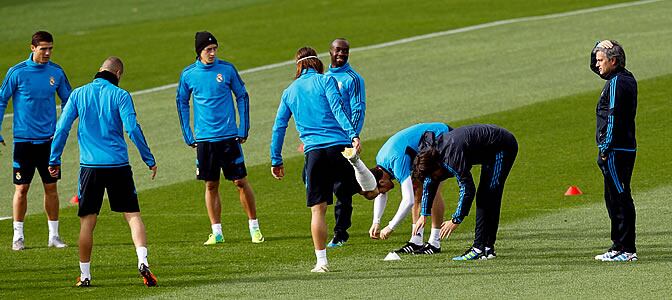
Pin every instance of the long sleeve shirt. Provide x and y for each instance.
(104, 111)
(212, 86)
(351, 85)
(33, 88)
(316, 104)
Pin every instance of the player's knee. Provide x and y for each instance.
(240, 183)
(212, 186)
(22, 190)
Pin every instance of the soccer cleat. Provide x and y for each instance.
(408, 248)
(350, 154)
(147, 277)
(606, 255)
(427, 248)
(256, 235)
(622, 256)
(489, 253)
(214, 239)
(55, 241)
(334, 243)
(470, 254)
(18, 245)
(320, 269)
(83, 283)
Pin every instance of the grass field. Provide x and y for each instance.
(530, 77)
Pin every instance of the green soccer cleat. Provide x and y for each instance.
(214, 239)
(256, 235)
(471, 254)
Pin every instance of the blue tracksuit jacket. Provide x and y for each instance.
(351, 85)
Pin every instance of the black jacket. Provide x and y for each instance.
(616, 111)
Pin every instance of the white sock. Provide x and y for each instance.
(435, 237)
(321, 257)
(142, 256)
(417, 238)
(85, 270)
(217, 229)
(364, 177)
(18, 230)
(253, 223)
(53, 228)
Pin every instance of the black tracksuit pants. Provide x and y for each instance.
(617, 169)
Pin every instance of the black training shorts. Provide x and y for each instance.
(326, 170)
(226, 155)
(27, 158)
(120, 188)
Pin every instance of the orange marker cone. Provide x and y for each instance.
(74, 199)
(573, 191)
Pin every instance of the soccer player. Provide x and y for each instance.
(395, 161)
(452, 155)
(617, 147)
(351, 86)
(325, 130)
(104, 111)
(217, 138)
(33, 84)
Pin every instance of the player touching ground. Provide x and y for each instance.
(104, 111)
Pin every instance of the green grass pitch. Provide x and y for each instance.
(530, 77)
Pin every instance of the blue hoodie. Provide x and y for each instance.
(320, 119)
(102, 109)
(351, 85)
(214, 114)
(33, 87)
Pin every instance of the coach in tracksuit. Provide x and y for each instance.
(104, 111)
(325, 130)
(452, 155)
(32, 84)
(351, 87)
(395, 162)
(217, 138)
(615, 137)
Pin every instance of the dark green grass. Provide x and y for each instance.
(545, 249)
(159, 43)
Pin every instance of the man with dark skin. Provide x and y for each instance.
(351, 87)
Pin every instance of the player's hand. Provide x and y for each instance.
(300, 148)
(447, 228)
(374, 232)
(419, 225)
(605, 44)
(356, 145)
(153, 171)
(241, 140)
(54, 171)
(386, 232)
(2, 141)
(278, 172)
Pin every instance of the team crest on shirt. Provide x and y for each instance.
(340, 85)
(197, 172)
(18, 176)
(52, 81)
(220, 78)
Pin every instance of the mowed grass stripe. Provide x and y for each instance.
(448, 78)
(546, 238)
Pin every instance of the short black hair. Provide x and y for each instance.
(42, 36)
(377, 172)
(616, 52)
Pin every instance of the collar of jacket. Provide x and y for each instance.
(307, 71)
(107, 75)
(33, 64)
(342, 68)
(202, 65)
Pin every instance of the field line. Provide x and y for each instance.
(424, 37)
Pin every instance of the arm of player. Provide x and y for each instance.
(406, 204)
(358, 104)
(336, 105)
(182, 100)
(279, 131)
(64, 90)
(129, 118)
(63, 127)
(379, 205)
(9, 84)
(467, 193)
(242, 104)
